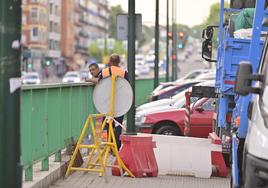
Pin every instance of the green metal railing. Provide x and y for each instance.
(51, 115)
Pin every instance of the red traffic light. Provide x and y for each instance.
(181, 34)
(170, 34)
(174, 57)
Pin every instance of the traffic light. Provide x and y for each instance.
(174, 57)
(181, 40)
(29, 65)
(170, 35)
(47, 62)
(181, 34)
(180, 45)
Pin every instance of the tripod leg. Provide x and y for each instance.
(77, 146)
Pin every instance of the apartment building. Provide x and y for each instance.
(83, 22)
(57, 32)
(54, 34)
(34, 33)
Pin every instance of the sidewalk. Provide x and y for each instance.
(91, 180)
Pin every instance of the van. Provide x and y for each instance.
(255, 156)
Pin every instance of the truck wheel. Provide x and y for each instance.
(168, 130)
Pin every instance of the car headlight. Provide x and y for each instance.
(64, 80)
(140, 119)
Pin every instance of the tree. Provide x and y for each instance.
(112, 19)
(212, 19)
(98, 53)
(214, 15)
(95, 51)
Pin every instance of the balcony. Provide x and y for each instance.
(54, 36)
(83, 34)
(54, 18)
(81, 49)
(54, 53)
(55, 2)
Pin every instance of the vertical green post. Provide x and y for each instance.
(131, 63)
(167, 44)
(10, 33)
(45, 164)
(174, 42)
(156, 49)
(58, 156)
(29, 173)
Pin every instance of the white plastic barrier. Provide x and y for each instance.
(179, 155)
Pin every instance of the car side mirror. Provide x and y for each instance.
(244, 79)
(199, 109)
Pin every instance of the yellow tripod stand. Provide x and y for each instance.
(99, 147)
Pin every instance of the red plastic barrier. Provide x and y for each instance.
(138, 155)
(217, 157)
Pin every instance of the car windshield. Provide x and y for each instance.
(160, 87)
(31, 76)
(196, 102)
(72, 75)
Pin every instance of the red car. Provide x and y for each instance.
(172, 122)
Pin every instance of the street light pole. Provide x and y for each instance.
(174, 42)
(131, 63)
(156, 33)
(167, 44)
(10, 166)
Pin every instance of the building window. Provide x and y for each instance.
(50, 26)
(34, 34)
(34, 14)
(50, 8)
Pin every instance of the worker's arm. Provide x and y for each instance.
(93, 80)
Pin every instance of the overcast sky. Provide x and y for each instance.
(189, 12)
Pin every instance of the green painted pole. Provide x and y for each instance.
(176, 42)
(167, 44)
(131, 64)
(156, 49)
(10, 33)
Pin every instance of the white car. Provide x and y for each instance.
(207, 76)
(175, 102)
(141, 113)
(139, 58)
(31, 78)
(142, 69)
(149, 59)
(172, 100)
(71, 77)
(194, 74)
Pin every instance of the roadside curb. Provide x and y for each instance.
(43, 179)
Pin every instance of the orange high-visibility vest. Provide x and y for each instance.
(113, 70)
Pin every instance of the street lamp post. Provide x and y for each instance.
(156, 61)
(167, 44)
(174, 41)
(10, 165)
(131, 63)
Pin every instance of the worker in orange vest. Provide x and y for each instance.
(115, 69)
